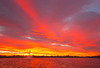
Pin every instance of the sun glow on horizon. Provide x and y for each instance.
(50, 27)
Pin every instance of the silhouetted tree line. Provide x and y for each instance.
(18, 56)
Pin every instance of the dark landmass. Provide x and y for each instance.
(18, 56)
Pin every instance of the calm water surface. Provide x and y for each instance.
(49, 63)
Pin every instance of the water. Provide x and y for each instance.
(49, 63)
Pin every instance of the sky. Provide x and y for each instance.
(50, 27)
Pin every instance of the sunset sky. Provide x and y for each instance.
(50, 27)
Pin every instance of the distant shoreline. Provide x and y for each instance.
(49, 56)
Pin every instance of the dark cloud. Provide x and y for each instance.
(92, 48)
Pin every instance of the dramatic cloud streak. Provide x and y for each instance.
(50, 27)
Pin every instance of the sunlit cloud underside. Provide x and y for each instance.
(50, 27)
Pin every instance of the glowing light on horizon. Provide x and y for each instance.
(49, 27)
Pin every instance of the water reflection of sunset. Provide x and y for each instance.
(49, 63)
